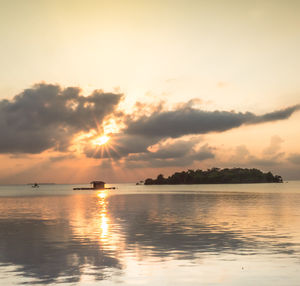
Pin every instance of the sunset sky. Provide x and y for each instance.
(124, 90)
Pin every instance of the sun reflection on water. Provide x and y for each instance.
(102, 195)
(104, 220)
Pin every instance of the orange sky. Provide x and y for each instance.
(158, 64)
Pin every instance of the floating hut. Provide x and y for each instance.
(97, 185)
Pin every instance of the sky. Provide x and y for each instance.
(124, 90)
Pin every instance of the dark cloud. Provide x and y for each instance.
(62, 158)
(173, 150)
(48, 116)
(187, 120)
(275, 115)
(204, 153)
(141, 132)
(158, 163)
(178, 153)
(135, 149)
(294, 158)
(166, 154)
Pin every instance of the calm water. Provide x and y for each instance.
(151, 235)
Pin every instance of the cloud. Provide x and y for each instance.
(204, 153)
(275, 115)
(294, 158)
(240, 156)
(275, 145)
(120, 145)
(176, 153)
(264, 162)
(62, 158)
(173, 149)
(222, 84)
(48, 116)
(184, 121)
(143, 132)
(188, 120)
(133, 151)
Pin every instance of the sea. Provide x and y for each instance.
(242, 234)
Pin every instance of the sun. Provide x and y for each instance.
(101, 140)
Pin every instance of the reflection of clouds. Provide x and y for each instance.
(94, 236)
(48, 250)
(191, 225)
(55, 239)
(172, 224)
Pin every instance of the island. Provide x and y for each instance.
(216, 176)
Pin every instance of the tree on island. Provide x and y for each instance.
(216, 176)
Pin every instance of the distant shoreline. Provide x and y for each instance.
(41, 184)
(216, 176)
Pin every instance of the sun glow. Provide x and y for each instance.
(101, 140)
(102, 194)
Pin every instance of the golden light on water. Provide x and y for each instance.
(104, 226)
(101, 140)
(102, 195)
(104, 221)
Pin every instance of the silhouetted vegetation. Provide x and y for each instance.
(216, 176)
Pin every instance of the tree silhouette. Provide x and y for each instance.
(216, 176)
